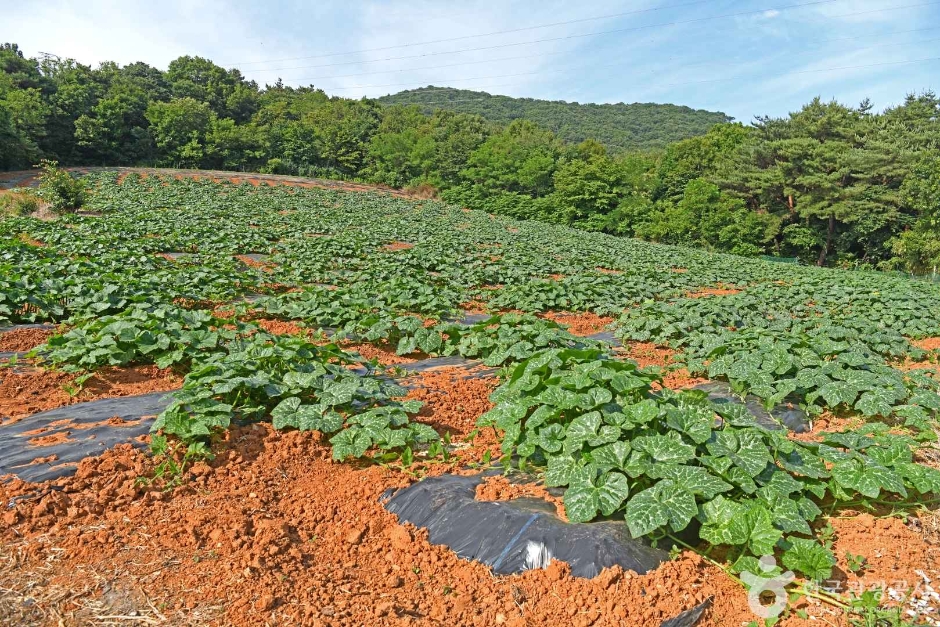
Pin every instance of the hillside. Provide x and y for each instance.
(455, 338)
(618, 126)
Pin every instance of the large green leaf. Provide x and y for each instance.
(810, 558)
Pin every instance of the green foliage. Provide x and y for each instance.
(179, 128)
(301, 386)
(829, 184)
(351, 313)
(868, 610)
(823, 347)
(173, 459)
(602, 194)
(705, 217)
(518, 161)
(57, 187)
(163, 335)
(409, 148)
(18, 203)
(661, 458)
(619, 126)
(836, 172)
(624, 448)
(856, 563)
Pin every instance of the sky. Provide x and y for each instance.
(745, 57)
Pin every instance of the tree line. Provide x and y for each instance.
(830, 184)
(620, 127)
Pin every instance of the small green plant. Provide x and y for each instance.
(57, 187)
(868, 611)
(172, 465)
(827, 534)
(856, 563)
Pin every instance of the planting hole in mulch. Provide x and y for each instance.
(518, 535)
(784, 415)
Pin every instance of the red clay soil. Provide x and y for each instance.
(280, 327)
(893, 552)
(499, 488)
(27, 392)
(647, 354)
(827, 421)
(275, 533)
(608, 270)
(927, 344)
(253, 263)
(271, 531)
(383, 353)
(712, 291)
(398, 246)
(24, 340)
(475, 307)
(453, 402)
(580, 324)
(29, 241)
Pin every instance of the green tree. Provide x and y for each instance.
(620, 127)
(402, 148)
(74, 90)
(225, 91)
(179, 128)
(599, 193)
(234, 147)
(697, 157)
(520, 159)
(707, 218)
(918, 248)
(823, 168)
(115, 131)
(341, 130)
(410, 147)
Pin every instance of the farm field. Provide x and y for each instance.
(297, 329)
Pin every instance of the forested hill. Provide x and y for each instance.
(618, 126)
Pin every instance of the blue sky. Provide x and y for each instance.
(745, 58)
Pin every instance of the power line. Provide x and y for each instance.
(815, 43)
(499, 32)
(801, 72)
(575, 68)
(606, 32)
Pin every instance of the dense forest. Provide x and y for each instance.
(830, 184)
(620, 127)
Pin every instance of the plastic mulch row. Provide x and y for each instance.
(73, 433)
(522, 534)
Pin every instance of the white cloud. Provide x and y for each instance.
(517, 67)
(157, 32)
(764, 51)
(866, 11)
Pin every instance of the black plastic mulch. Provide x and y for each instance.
(74, 433)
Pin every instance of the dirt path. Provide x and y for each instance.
(28, 178)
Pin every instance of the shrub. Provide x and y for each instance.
(57, 187)
(18, 203)
(422, 191)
